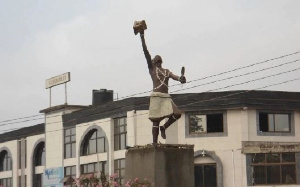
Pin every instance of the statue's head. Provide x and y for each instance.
(157, 61)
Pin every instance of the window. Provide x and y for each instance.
(38, 180)
(206, 123)
(40, 155)
(120, 170)
(5, 161)
(205, 175)
(120, 133)
(93, 167)
(70, 171)
(273, 168)
(94, 143)
(70, 142)
(274, 122)
(7, 182)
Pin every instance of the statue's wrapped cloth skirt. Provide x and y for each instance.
(161, 106)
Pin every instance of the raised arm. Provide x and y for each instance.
(146, 52)
(177, 78)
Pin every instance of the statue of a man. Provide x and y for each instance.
(161, 104)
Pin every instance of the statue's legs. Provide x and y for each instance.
(155, 132)
(170, 121)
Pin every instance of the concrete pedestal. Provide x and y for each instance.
(163, 165)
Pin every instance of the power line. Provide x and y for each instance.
(243, 67)
(212, 99)
(20, 118)
(232, 85)
(222, 73)
(20, 121)
(215, 75)
(241, 75)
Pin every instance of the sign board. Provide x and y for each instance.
(57, 80)
(53, 176)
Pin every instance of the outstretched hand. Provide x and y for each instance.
(182, 79)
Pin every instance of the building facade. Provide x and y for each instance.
(240, 138)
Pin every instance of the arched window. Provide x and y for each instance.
(94, 143)
(5, 161)
(40, 154)
(208, 169)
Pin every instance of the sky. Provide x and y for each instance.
(94, 41)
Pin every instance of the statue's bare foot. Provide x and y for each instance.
(163, 132)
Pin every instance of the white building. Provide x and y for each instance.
(241, 138)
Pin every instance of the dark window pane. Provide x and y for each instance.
(274, 122)
(73, 138)
(120, 133)
(40, 155)
(258, 158)
(117, 130)
(122, 163)
(73, 170)
(73, 150)
(43, 157)
(259, 175)
(94, 135)
(210, 173)
(123, 141)
(67, 132)
(68, 150)
(70, 138)
(92, 146)
(116, 122)
(206, 123)
(214, 123)
(85, 168)
(263, 122)
(91, 168)
(100, 145)
(73, 131)
(288, 174)
(288, 157)
(273, 158)
(117, 141)
(271, 122)
(205, 175)
(67, 139)
(273, 174)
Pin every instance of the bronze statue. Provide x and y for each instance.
(161, 104)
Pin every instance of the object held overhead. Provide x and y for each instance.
(139, 26)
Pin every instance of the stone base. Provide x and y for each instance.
(164, 165)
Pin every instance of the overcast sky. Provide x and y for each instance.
(94, 40)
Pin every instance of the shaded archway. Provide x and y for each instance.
(210, 162)
(5, 161)
(38, 159)
(6, 164)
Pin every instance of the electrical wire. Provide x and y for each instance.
(218, 74)
(212, 99)
(241, 75)
(237, 84)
